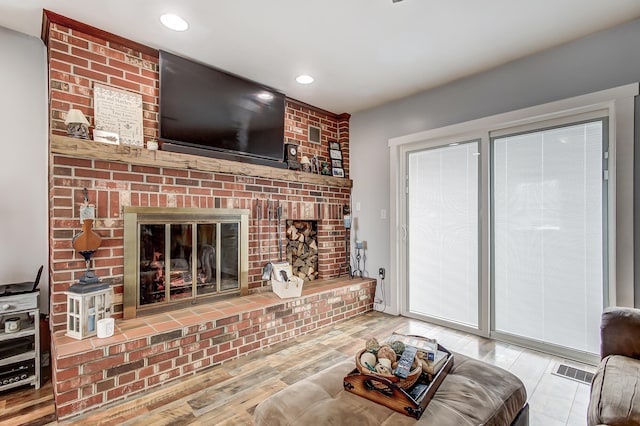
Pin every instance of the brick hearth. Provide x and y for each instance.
(151, 351)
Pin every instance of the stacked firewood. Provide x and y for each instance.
(302, 248)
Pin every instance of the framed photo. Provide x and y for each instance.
(325, 168)
(334, 145)
(336, 163)
(118, 111)
(338, 172)
(335, 154)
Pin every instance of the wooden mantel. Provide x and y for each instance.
(133, 155)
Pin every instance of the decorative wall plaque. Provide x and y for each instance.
(120, 112)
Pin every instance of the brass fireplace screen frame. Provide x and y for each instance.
(136, 216)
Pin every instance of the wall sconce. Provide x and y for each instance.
(77, 124)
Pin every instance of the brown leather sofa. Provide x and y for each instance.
(615, 390)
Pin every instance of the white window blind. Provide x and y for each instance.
(443, 233)
(548, 227)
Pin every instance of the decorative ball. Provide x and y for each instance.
(372, 345)
(385, 351)
(386, 362)
(382, 369)
(367, 359)
(398, 347)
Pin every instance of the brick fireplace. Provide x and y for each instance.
(150, 350)
(120, 176)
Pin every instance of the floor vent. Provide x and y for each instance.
(574, 374)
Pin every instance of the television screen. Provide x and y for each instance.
(206, 108)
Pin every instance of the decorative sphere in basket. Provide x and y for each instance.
(414, 375)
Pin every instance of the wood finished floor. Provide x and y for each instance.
(228, 394)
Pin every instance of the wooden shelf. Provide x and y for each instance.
(133, 155)
(24, 356)
(26, 329)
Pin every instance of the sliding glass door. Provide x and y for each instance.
(549, 234)
(536, 274)
(442, 232)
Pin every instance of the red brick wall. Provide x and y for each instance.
(77, 60)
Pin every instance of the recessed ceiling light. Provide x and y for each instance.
(174, 22)
(304, 79)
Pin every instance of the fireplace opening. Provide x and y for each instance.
(178, 256)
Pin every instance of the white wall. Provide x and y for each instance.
(603, 60)
(24, 213)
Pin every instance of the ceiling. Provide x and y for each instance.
(362, 53)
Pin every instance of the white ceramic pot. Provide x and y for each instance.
(12, 325)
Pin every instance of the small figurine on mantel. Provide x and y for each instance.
(77, 124)
(315, 165)
(305, 164)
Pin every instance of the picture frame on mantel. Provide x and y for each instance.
(338, 172)
(119, 111)
(325, 168)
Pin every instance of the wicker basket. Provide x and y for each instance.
(411, 379)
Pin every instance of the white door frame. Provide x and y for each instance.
(618, 101)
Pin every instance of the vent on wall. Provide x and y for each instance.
(314, 134)
(574, 374)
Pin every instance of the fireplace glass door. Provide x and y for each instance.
(181, 256)
(181, 261)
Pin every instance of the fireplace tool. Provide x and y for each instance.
(278, 224)
(259, 219)
(347, 225)
(267, 269)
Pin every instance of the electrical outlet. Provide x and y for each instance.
(381, 273)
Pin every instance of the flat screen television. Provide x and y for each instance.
(207, 111)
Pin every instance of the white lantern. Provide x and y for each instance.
(84, 310)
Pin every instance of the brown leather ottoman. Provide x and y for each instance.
(473, 393)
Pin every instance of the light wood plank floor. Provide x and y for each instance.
(228, 394)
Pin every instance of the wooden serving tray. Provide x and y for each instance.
(411, 402)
